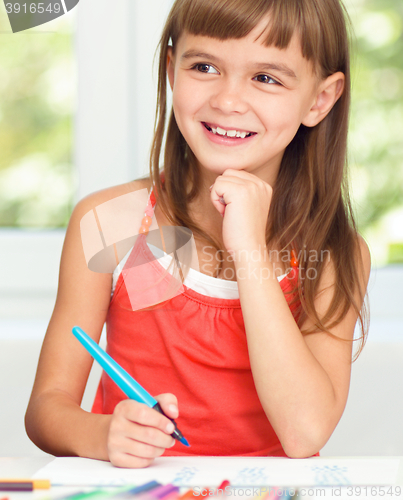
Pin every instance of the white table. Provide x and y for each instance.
(24, 468)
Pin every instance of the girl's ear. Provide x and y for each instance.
(328, 93)
(170, 67)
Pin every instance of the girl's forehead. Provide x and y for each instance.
(251, 48)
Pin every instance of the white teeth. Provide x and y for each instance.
(229, 133)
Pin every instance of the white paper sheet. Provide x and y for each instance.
(240, 471)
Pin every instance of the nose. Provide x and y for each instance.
(229, 97)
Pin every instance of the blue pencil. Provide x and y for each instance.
(122, 379)
(142, 488)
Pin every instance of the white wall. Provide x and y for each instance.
(372, 421)
(29, 268)
(116, 43)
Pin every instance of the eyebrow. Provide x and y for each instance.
(282, 68)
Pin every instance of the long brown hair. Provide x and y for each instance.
(310, 210)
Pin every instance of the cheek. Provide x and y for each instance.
(285, 116)
(186, 90)
(189, 95)
(186, 107)
(179, 108)
(282, 120)
(183, 103)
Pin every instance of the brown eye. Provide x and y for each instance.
(205, 68)
(266, 79)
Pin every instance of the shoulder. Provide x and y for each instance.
(364, 255)
(97, 198)
(360, 260)
(341, 288)
(93, 216)
(360, 264)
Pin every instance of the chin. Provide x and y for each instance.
(222, 167)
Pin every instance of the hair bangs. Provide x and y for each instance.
(226, 19)
(221, 19)
(290, 16)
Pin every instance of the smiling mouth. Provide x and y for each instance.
(233, 134)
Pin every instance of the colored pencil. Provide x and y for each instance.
(24, 484)
(166, 492)
(191, 493)
(263, 495)
(121, 493)
(289, 494)
(91, 495)
(281, 494)
(187, 495)
(273, 494)
(86, 495)
(223, 485)
(138, 491)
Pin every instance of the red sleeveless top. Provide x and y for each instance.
(195, 347)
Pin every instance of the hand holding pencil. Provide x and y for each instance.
(138, 434)
(141, 427)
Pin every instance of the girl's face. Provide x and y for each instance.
(239, 103)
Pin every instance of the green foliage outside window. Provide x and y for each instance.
(376, 132)
(37, 96)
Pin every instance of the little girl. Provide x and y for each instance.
(255, 350)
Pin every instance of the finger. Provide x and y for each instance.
(219, 202)
(140, 413)
(169, 404)
(149, 443)
(149, 436)
(218, 191)
(125, 435)
(241, 175)
(127, 461)
(221, 192)
(229, 189)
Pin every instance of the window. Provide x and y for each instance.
(104, 139)
(38, 89)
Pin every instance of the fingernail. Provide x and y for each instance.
(211, 187)
(170, 428)
(173, 443)
(173, 410)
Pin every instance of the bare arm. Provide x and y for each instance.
(134, 434)
(302, 381)
(54, 419)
